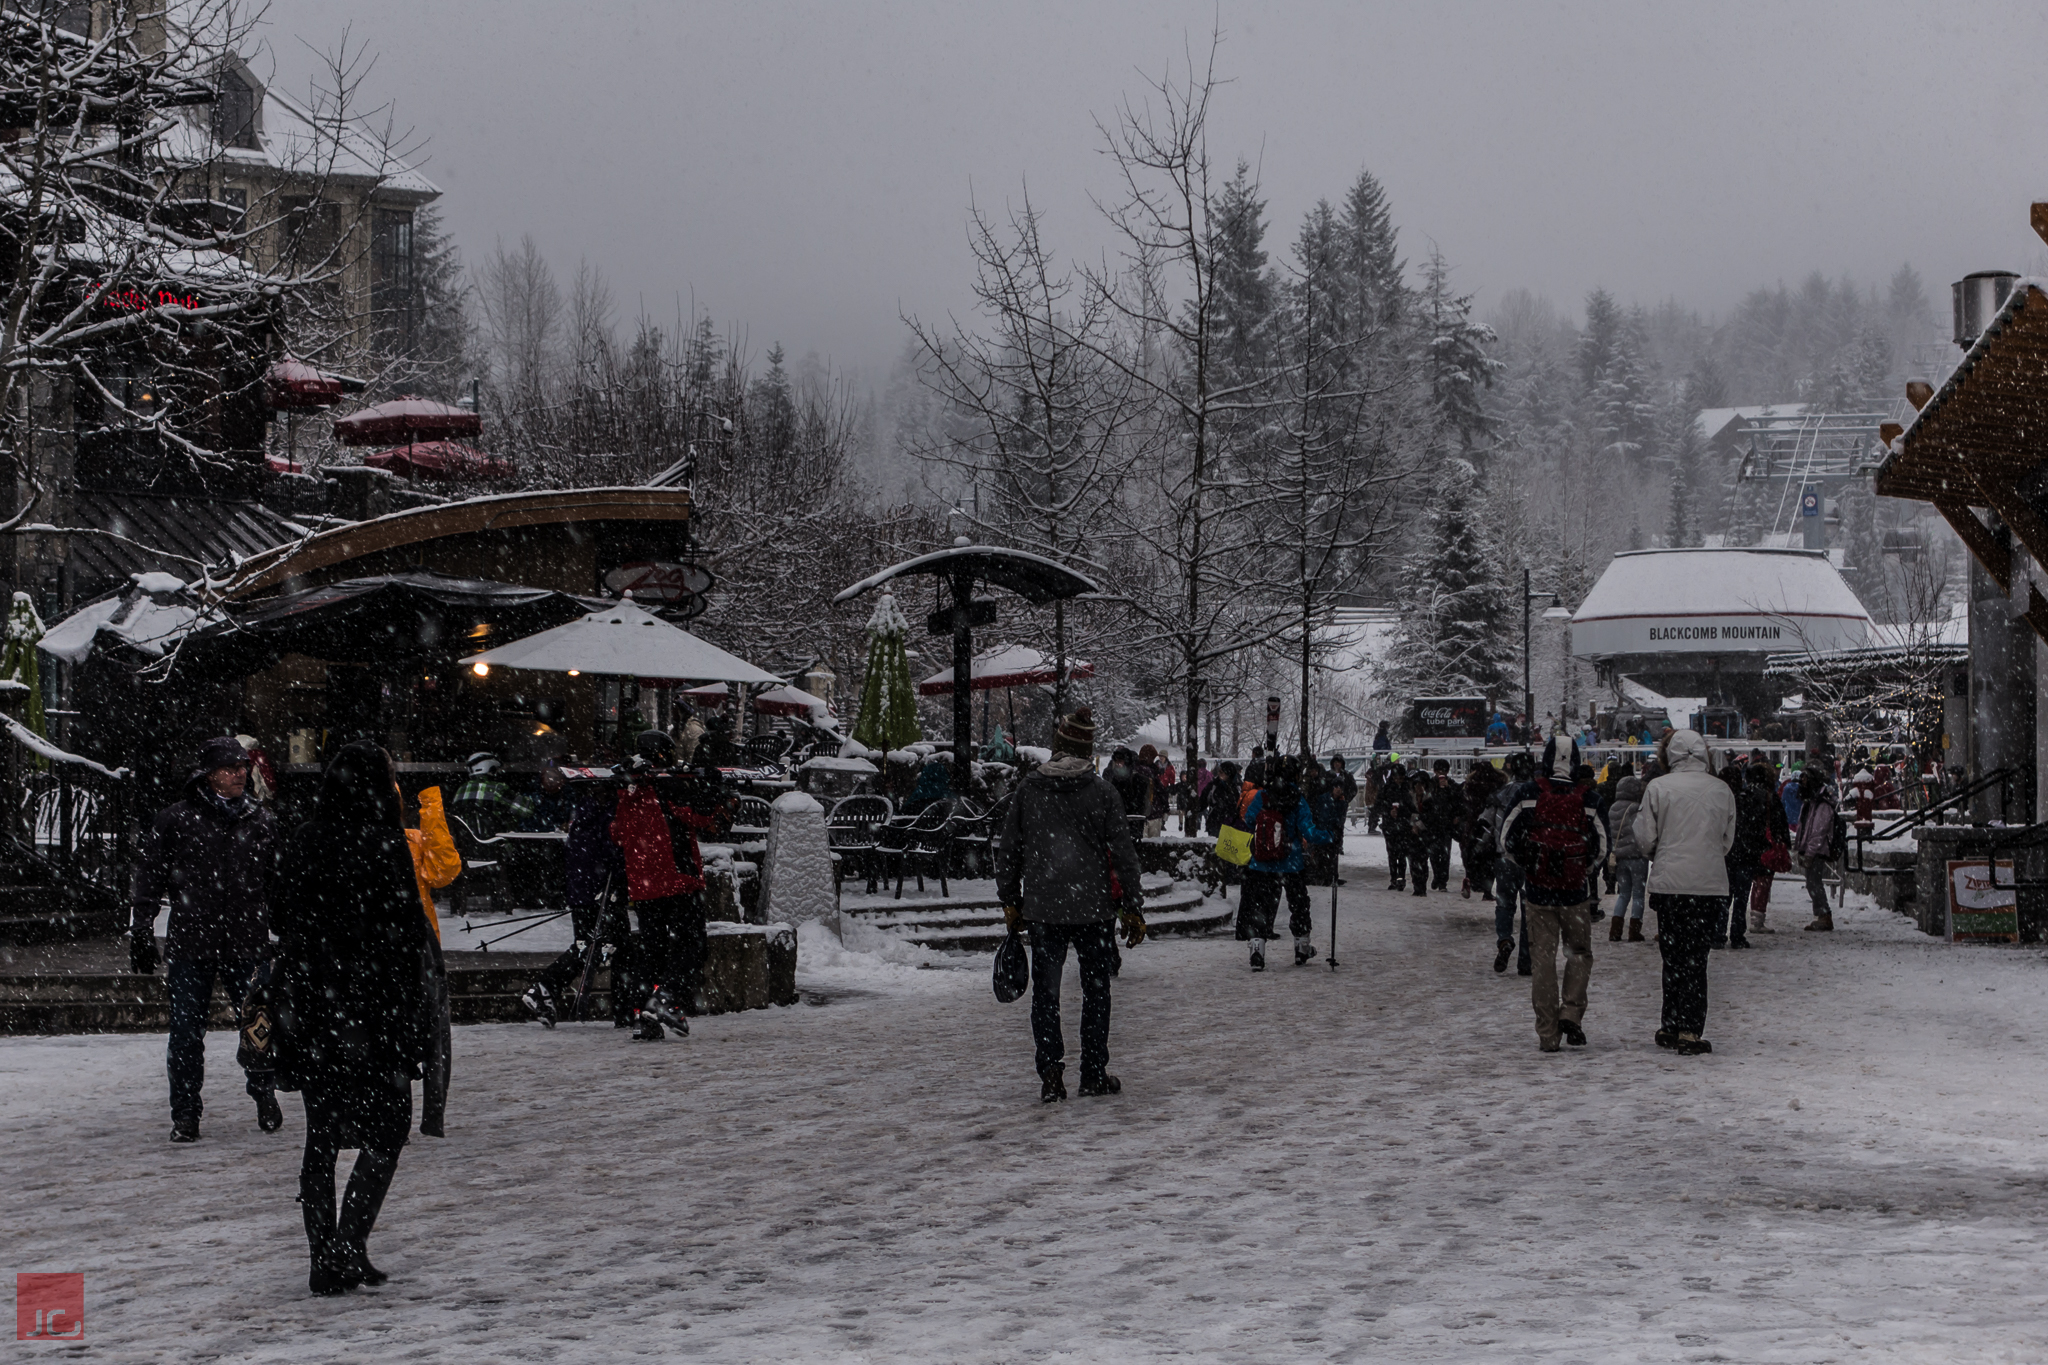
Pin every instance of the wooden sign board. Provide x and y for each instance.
(1983, 907)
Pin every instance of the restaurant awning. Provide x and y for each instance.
(388, 618)
(623, 640)
(1009, 666)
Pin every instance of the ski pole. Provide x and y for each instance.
(1335, 882)
(486, 944)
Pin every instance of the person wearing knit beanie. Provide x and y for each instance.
(1067, 867)
(1075, 734)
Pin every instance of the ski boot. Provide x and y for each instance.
(1304, 950)
(650, 1030)
(540, 1003)
(1258, 955)
(664, 1010)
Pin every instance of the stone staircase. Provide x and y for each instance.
(974, 923)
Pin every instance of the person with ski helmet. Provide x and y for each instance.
(1685, 827)
(657, 839)
(1555, 839)
(1067, 866)
(1282, 829)
(486, 802)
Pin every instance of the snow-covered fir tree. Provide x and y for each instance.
(1451, 640)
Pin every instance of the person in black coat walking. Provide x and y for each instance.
(352, 1018)
(1067, 866)
(1401, 823)
(214, 856)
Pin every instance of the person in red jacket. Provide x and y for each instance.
(657, 836)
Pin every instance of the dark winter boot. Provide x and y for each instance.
(1614, 930)
(1572, 1033)
(1635, 931)
(328, 1275)
(1666, 1038)
(269, 1114)
(1465, 888)
(185, 1130)
(1502, 951)
(1692, 1045)
(1823, 923)
(1397, 885)
(360, 1205)
(1105, 1084)
(1422, 886)
(1052, 1086)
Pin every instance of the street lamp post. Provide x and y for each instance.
(1528, 690)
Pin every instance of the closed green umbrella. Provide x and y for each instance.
(888, 706)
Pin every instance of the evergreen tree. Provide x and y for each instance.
(1459, 365)
(1451, 639)
(1369, 260)
(1245, 287)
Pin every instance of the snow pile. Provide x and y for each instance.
(862, 957)
(796, 874)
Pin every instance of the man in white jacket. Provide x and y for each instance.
(1685, 827)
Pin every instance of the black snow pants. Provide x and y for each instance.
(1440, 861)
(1259, 906)
(1094, 948)
(1685, 937)
(673, 944)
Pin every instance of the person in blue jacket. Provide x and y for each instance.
(1259, 903)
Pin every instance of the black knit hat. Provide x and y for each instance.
(1075, 734)
(222, 751)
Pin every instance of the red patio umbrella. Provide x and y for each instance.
(711, 695)
(786, 701)
(440, 460)
(292, 383)
(409, 419)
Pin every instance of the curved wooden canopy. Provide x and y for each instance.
(551, 507)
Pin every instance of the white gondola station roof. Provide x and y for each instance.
(1719, 601)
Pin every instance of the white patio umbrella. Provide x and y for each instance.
(623, 641)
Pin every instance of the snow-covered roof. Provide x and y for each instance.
(1712, 422)
(292, 140)
(150, 616)
(1715, 601)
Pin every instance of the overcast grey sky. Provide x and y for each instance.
(805, 169)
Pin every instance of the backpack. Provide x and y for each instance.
(1269, 833)
(1553, 841)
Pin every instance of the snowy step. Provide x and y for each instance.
(1180, 910)
(748, 966)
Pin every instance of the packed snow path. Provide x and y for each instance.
(1375, 1163)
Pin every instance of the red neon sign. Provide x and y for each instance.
(136, 300)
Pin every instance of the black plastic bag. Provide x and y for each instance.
(1013, 969)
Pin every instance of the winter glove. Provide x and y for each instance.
(142, 953)
(1134, 927)
(1013, 918)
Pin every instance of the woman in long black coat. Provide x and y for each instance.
(353, 1022)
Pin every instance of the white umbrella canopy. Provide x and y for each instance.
(624, 641)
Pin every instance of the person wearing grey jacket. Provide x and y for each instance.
(1067, 867)
(1631, 868)
(1685, 826)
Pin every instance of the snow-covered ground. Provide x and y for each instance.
(1374, 1163)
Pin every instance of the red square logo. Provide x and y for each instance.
(49, 1307)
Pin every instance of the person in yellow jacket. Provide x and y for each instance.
(435, 863)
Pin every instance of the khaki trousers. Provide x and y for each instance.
(1547, 924)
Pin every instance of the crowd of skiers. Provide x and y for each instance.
(1540, 838)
